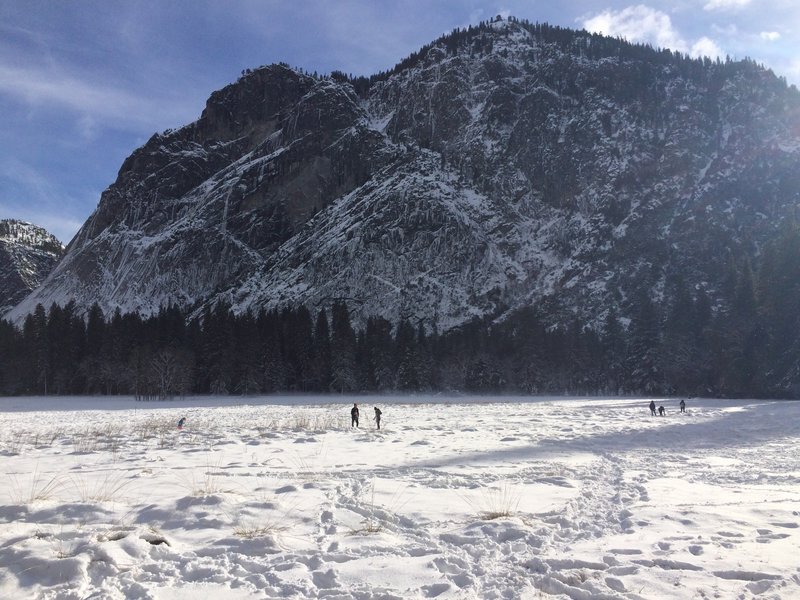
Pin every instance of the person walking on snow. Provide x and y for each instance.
(378, 416)
(683, 405)
(653, 407)
(354, 415)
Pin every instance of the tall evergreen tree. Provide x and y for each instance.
(680, 362)
(379, 354)
(298, 347)
(12, 359)
(779, 307)
(36, 347)
(274, 370)
(405, 357)
(218, 350)
(742, 373)
(322, 376)
(95, 330)
(614, 352)
(248, 361)
(643, 364)
(343, 350)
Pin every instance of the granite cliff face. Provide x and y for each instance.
(27, 255)
(505, 166)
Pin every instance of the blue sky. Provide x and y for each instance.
(85, 82)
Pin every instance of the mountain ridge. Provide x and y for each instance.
(27, 254)
(510, 166)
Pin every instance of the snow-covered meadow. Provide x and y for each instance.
(454, 498)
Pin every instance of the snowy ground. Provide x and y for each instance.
(454, 498)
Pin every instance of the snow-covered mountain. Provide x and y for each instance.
(503, 166)
(27, 255)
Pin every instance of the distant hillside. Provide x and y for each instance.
(27, 255)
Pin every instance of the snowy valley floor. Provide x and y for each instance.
(453, 498)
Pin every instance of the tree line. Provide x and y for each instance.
(479, 40)
(744, 343)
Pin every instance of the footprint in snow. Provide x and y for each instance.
(669, 565)
(555, 480)
(616, 584)
(325, 579)
(625, 551)
(435, 589)
(770, 537)
(746, 575)
(730, 534)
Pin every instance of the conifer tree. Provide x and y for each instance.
(405, 358)
(613, 344)
(743, 370)
(322, 353)
(679, 360)
(218, 349)
(643, 362)
(779, 307)
(95, 330)
(34, 332)
(298, 347)
(378, 342)
(12, 359)
(274, 371)
(343, 350)
(247, 362)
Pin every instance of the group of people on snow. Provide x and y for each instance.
(662, 411)
(354, 413)
(354, 416)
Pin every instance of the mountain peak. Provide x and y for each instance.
(22, 232)
(27, 254)
(507, 165)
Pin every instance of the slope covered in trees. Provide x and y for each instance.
(686, 346)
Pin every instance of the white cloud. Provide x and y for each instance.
(644, 24)
(635, 23)
(725, 4)
(770, 36)
(93, 102)
(705, 47)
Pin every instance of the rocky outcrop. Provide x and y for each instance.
(27, 255)
(505, 166)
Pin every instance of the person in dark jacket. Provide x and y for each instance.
(653, 407)
(181, 422)
(661, 411)
(354, 415)
(683, 405)
(378, 416)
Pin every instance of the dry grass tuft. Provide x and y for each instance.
(497, 502)
(39, 488)
(105, 489)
